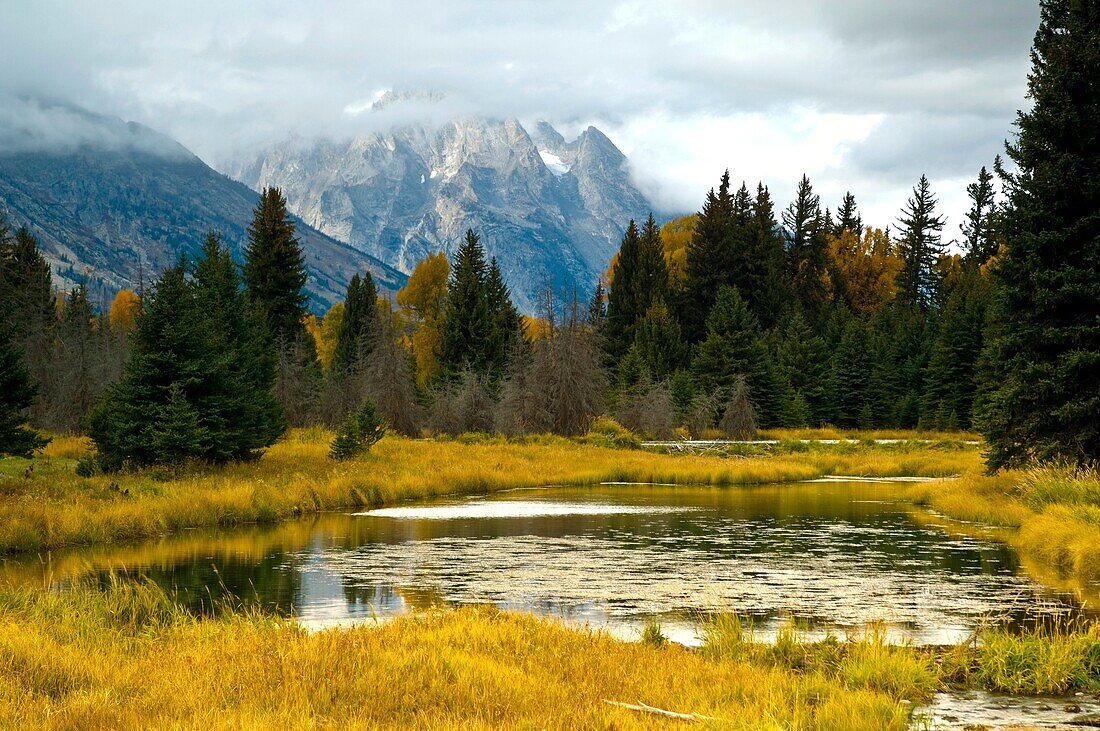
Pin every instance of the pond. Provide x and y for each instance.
(832, 556)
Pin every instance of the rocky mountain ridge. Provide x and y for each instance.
(551, 211)
(113, 203)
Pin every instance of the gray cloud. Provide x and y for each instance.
(942, 78)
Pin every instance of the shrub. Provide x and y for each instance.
(358, 433)
(606, 432)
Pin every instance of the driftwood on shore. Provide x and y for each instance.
(643, 708)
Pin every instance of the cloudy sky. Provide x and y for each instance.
(863, 95)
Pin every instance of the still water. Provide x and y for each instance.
(832, 557)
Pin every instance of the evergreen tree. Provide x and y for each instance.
(16, 394)
(1040, 393)
(623, 295)
(851, 376)
(733, 348)
(467, 320)
(847, 217)
(658, 343)
(652, 280)
(899, 347)
(950, 378)
(979, 228)
(802, 362)
(766, 286)
(237, 397)
(708, 261)
(25, 285)
(275, 278)
(359, 323)
(198, 383)
(807, 261)
(921, 246)
(597, 307)
(274, 269)
(26, 295)
(506, 331)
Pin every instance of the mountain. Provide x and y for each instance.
(113, 203)
(552, 212)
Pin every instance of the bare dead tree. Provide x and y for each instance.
(739, 417)
(388, 380)
(566, 382)
(701, 414)
(298, 386)
(648, 409)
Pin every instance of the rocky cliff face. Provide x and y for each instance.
(114, 203)
(552, 212)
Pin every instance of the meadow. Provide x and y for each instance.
(45, 505)
(127, 656)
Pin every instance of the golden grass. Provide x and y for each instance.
(1050, 515)
(44, 505)
(863, 434)
(1048, 660)
(127, 659)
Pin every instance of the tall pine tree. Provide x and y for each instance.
(807, 260)
(921, 245)
(1040, 394)
(467, 320)
(275, 279)
(358, 325)
(708, 262)
(979, 227)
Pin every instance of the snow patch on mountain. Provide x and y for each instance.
(553, 163)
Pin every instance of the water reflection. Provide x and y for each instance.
(833, 556)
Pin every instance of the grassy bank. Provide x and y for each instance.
(129, 659)
(43, 504)
(1050, 515)
(1049, 660)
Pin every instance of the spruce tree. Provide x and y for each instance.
(274, 269)
(802, 361)
(708, 260)
(467, 320)
(237, 396)
(358, 325)
(622, 297)
(979, 227)
(506, 332)
(25, 285)
(766, 286)
(806, 252)
(16, 394)
(847, 217)
(597, 307)
(734, 347)
(198, 383)
(1040, 392)
(851, 376)
(658, 342)
(921, 246)
(950, 378)
(275, 278)
(652, 280)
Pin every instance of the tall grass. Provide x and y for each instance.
(1052, 515)
(44, 505)
(87, 659)
(1043, 660)
(863, 662)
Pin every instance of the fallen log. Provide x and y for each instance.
(640, 707)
